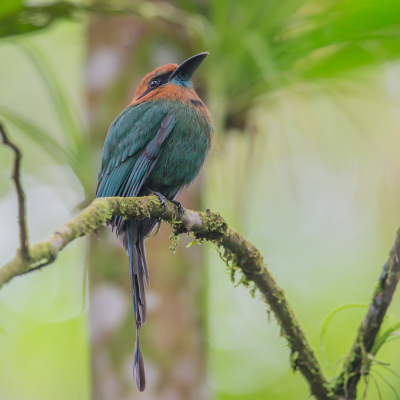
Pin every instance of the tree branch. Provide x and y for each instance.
(235, 250)
(238, 253)
(357, 362)
(16, 177)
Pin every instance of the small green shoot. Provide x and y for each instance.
(325, 325)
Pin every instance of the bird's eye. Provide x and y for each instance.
(154, 83)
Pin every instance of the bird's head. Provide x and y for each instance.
(155, 84)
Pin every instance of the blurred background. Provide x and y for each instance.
(304, 96)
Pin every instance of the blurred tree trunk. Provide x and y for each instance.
(173, 340)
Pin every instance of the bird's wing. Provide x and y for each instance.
(132, 147)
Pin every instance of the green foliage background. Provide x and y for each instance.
(305, 101)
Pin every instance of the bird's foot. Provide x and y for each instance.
(160, 197)
(180, 208)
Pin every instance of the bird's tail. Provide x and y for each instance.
(134, 245)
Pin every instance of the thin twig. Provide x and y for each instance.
(234, 249)
(16, 177)
(357, 362)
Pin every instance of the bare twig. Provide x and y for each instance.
(16, 177)
(357, 362)
(234, 248)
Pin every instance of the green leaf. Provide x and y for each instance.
(387, 383)
(16, 19)
(73, 130)
(383, 337)
(39, 136)
(326, 322)
(377, 386)
(382, 365)
(10, 6)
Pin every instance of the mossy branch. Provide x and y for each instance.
(236, 251)
(238, 254)
(357, 362)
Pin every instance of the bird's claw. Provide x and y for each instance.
(160, 197)
(180, 208)
(163, 200)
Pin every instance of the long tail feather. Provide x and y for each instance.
(138, 366)
(133, 243)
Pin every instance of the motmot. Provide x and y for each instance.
(157, 145)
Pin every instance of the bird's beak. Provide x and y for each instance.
(185, 71)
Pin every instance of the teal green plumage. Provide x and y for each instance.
(157, 144)
(181, 156)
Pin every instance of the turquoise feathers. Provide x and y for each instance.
(158, 144)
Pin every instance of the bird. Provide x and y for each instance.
(156, 145)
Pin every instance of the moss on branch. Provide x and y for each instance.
(235, 250)
(240, 256)
(357, 363)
